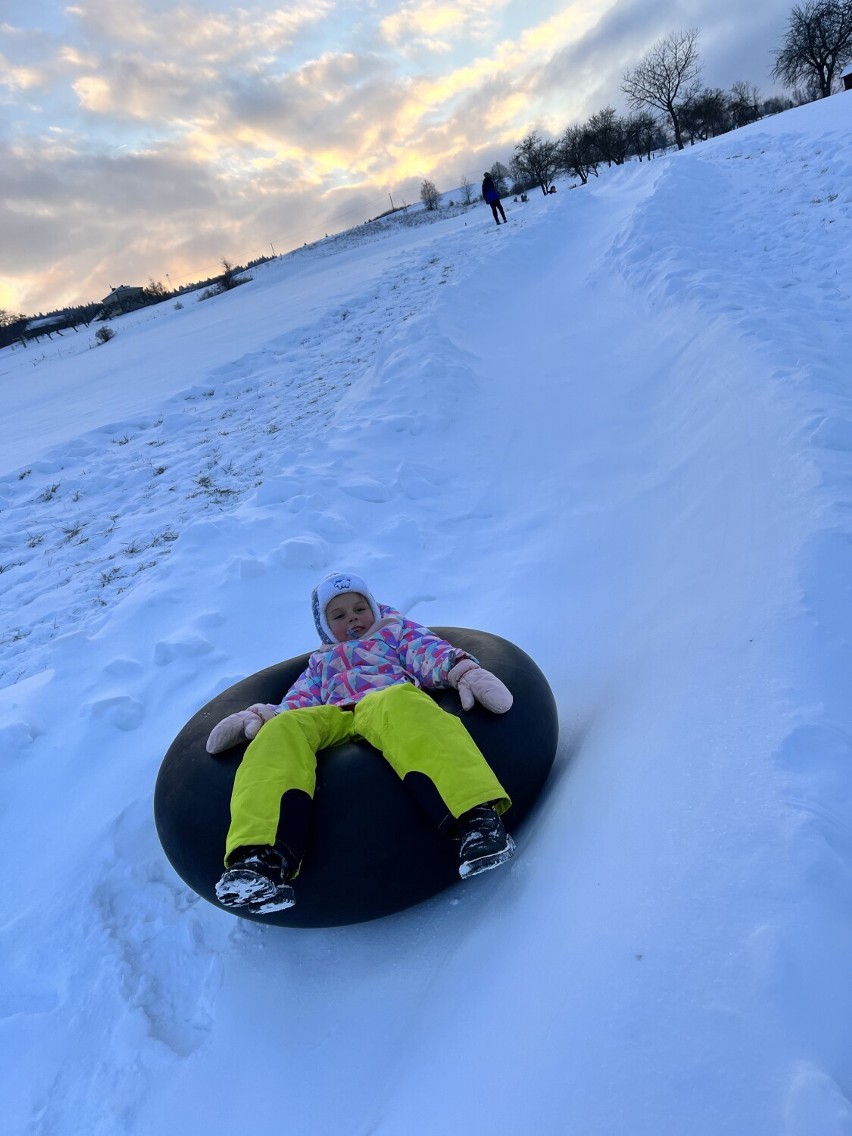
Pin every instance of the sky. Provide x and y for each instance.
(149, 140)
(612, 431)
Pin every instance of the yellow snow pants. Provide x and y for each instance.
(402, 722)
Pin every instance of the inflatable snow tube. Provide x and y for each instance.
(371, 851)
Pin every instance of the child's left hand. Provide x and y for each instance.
(473, 682)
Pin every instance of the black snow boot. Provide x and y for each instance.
(484, 841)
(257, 879)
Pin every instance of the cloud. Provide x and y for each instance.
(51, 195)
(244, 126)
(18, 78)
(430, 26)
(193, 31)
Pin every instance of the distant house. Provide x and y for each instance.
(124, 299)
(846, 76)
(45, 325)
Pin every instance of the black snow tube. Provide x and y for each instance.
(371, 852)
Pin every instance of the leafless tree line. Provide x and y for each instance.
(667, 102)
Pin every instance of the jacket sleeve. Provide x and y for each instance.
(305, 691)
(426, 656)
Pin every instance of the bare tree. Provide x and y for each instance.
(11, 327)
(537, 160)
(228, 279)
(500, 176)
(663, 77)
(744, 103)
(86, 313)
(467, 189)
(644, 135)
(578, 155)
(610, 136)
(156, 289)
(429, 194)
(817, 45)
(775, 105)
(705, 114)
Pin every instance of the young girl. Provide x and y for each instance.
(366, 680)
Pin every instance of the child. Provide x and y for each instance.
(366, 680)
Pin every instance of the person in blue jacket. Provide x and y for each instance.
(489, 192)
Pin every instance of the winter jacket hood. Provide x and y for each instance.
(394, 650)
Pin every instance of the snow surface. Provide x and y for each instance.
(616, 431)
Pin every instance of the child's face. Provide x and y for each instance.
(349, 616)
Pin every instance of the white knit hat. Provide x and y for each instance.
(337, 584)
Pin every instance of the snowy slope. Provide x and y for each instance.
(617, 431)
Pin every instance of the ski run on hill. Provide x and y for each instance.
(616, 431)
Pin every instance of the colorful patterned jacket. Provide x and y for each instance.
(394, 650)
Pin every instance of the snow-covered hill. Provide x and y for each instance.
(617, 431)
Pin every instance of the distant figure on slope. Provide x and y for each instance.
(368, 680)
(489, 192)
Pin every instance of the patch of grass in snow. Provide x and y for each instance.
(113, 574)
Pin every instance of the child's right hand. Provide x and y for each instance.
(237, 727)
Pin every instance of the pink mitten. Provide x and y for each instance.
(261, 713)
(237, 727)
(474, 682)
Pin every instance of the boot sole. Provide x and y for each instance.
(241, 886)
(486, 863)
(283, 898)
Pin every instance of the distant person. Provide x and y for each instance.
(489, 192)
(368, 679)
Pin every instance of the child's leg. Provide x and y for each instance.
(281, 763)
(419, 740)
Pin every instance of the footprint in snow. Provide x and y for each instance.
(120, 711)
